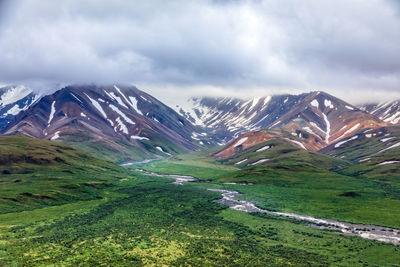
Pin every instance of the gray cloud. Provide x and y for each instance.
(236, 46)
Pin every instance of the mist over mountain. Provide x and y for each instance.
(234, 47)
(124, 122)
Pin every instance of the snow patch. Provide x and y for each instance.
(328, 128)
(349, 108)
(134, 104)
(263, 148)
(308, 130)
(352, 129)
(255, 102)
(315, 103)
(273, 125)
(393, 146)
(122, 94)
(117, 98)
(362, 160)
(240, 162)
(97, 106)
(316, 126)
(160, 149)
(145, 99)
(14, 94)
(258, 162)
(389, 162)
(53, 110)
(328, 103)
(109, 95)
(128, 120)
(395, 118)
(139, 137)
(13, 111)
(121, 125)
(266, 101)
(345, 141)
(241, 141)
(386, 139)
(55, 136)
(76, 97)
(300, 144)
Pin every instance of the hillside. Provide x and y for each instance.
(375, 154)
(276, 160)
(279, 151)
(367, 144)
(37, 173)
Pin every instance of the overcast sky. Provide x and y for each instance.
(350, 48)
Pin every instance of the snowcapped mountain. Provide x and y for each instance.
(387, 111)
(378, 146)
(117, 122)
(13, 100)
(121, 122)
(225, 117)
(316, 119)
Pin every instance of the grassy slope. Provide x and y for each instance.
(285, 161)
(364, 146)
(370, 151)
(38, 173)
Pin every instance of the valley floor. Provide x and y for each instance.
(147, 220)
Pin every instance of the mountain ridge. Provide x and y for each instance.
(115, 116)
(388, 111)
(123, 119)
(317, 114)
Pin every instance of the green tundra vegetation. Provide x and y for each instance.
(367, 153)
(297, 181)
(60, 206)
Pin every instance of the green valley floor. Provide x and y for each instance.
(148, 221)
(136, 219)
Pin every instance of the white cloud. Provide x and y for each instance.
(198, 46)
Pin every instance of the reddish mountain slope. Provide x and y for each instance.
(116, 118)
(317, 118)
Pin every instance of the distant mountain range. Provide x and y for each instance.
(316, 119)
(121, 123)
(387, 111)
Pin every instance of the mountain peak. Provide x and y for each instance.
(318, 115)
(119, 118)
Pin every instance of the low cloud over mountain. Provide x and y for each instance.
(235, 46)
